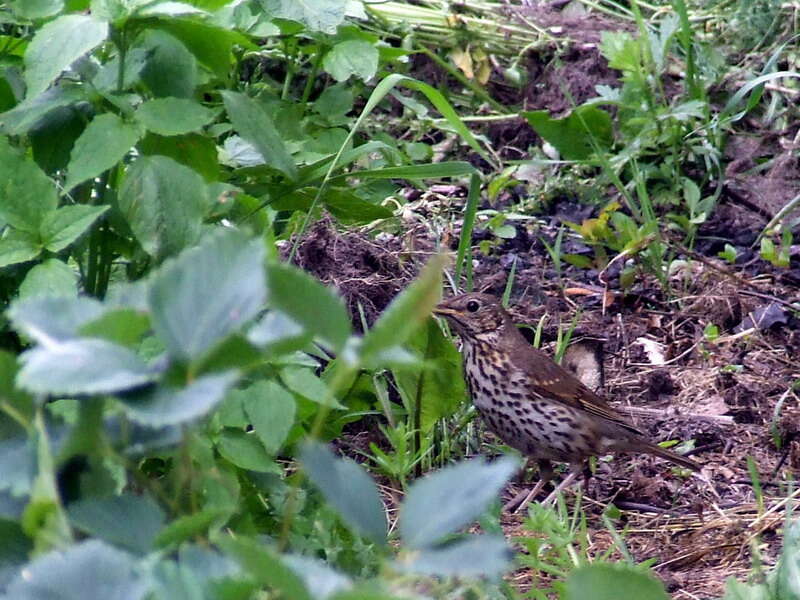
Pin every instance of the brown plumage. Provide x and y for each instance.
(530, 402)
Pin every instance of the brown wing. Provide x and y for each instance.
(553, 381)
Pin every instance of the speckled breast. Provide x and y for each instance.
(523, 419)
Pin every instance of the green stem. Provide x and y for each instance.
(85, 436)
(311, 78)
(287, 82)
(342, 373)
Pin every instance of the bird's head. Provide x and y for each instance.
(473, 315)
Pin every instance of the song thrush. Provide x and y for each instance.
(530, 402)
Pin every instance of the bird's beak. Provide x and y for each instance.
(444, 310)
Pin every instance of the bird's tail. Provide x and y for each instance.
(656, 450)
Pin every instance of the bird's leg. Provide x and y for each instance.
(521, 500)
(575, 470)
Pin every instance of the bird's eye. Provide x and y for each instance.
(473, 306)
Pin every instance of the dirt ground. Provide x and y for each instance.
(732, 395)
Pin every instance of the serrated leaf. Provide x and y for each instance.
(316, 15)
(26, 193)
(37, 9)
(460, 493)
(244, 450)
(186, 317)
(66, 224)
(611, 582)
(164, 203)
(31, 111)
(351, 57)
(305, 383)
(476, 556)
(173, 116)
(18, 247)
(49, 278)
(128, 521)
(271, 410)
(255, 125)
(57, 45)
(53, 319)
(315, 307)
(104, 142)
(164, 405)
(347, 488)
(62, 575)
(82, 366)
(170, 69)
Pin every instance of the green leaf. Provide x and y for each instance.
(348, 488)
(196, 151)
(315, 307)
(244, 450)
(255, 125)
(26, 193)
(164, 202)
(209, 44)
(406, 312)
(127, 521)
(82, 366)
(104, 142)
(351, 57)
(621, 50)
(59, 44)
(36, 9)
(190, 320)
(173, 116)
(30, 112)
(438, 382)
(460, 493)
(170, 70)
(271, 411)
(64, 225)
(166, 8)
(53, 137)
(303, 382)
(62, 575)
(477, 556)
(188, 526)
(342, 203)
(276, 333)
(123, 326)
(318, 576)
(50, 278)
(316, 15)
(161, 406)
(53, 319)
(787, 577)
(612, 582)
(577, 135)
(431, 171)
(18, 247)
(266, 567)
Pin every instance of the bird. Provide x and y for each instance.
(533, 404)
